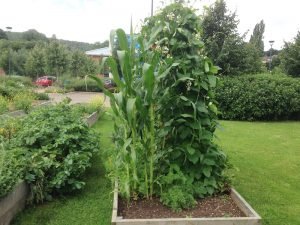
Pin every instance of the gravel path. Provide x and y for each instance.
(77, 97)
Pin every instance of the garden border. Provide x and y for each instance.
(18, 113)
(252, 217)
(13, 203)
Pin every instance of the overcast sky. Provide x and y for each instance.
(92, 20)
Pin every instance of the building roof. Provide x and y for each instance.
(99, 52)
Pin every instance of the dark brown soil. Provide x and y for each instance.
(217, 206)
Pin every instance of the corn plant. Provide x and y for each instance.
(134, 112)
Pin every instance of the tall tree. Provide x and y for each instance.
(36, 62)
(257, 36)
(290, 57)
(223, 43)
(78, 63)
(33, 35)
(3, 34)
(57, 57)
(218, 24)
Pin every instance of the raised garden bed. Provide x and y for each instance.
(13, 203)
(229, 209)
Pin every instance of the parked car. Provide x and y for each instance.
(45, 81)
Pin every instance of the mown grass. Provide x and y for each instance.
(267, 158)
(266, 155)
(91, 206)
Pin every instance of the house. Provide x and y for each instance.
(98, 54)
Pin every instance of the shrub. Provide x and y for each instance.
(82, 85)
(59, 146)
(11, 168)
(96, 104)
(3, 104)
(259, 97)
(41, 96)
(23, 100)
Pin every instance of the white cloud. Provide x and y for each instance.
(92, 20)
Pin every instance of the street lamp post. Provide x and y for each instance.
(151, 7)
(9, 29)
(270, 60)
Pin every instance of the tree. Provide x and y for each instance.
(257, 37)
(224, 45)
(36, 62)
(290, 57)
(78, 63)
(33, 35)
(57, 58)
(218, 24)
(3, 34)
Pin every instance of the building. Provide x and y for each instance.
(98, 54)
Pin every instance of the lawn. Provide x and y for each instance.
(267, 161)
(91, 206)
(267, 158)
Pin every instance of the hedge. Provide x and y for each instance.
(82, 85)
(259, 97)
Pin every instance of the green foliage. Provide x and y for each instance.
(57, 58)
(224, 45)
(218, 24)
(78, 63)
(35, 64)
(23, 101)
(290, 57)
(187, 108)
(257, 36)
(59, 146)
(33, 35)
(259, 97)
(165, 111)
(3, 105)
(3, 34)
(96, 104)
(177, 198)
(81, 84)
(41, 96)
(11, 168)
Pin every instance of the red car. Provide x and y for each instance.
(45, 81)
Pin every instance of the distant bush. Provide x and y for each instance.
(82, 85)
(96, 104)
(23, 101)
(41, 96)
(3, 104)
(259, 97)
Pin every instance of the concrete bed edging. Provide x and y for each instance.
(252, 218)
(13, 203)
(93, 118)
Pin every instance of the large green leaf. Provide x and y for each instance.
(123, 42)
(149, 79)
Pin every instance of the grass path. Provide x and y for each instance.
(92, 206)
(267, 156)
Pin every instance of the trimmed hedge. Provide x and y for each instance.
(259, 97)
(81, 85)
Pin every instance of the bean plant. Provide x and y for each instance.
(187, 108)
(164, 111)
